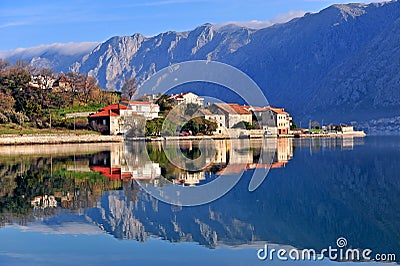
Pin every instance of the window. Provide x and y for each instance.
(104, 122)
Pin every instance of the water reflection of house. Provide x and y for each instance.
(240, 152)
(43, 202)
(147, 171)
(110, 164)
(190, 178)
(284, 152)
(113, 164)
(221, 152)
(347, 143)
(223, 157)
(247, 155)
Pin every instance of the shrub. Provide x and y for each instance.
(3, 119)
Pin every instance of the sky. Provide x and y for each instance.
(27, 23)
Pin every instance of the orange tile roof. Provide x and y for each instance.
(261, 109)
(274, 109)
(278, 110)
(233, 108)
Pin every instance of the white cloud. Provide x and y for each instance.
(70, 48)
(259, 24)
(12, 24)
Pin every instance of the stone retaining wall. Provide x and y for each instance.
(56, 139)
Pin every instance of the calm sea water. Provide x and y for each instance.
(79, 204)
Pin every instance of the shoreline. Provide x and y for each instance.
(30, 139)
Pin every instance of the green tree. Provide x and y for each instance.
(200, 125)
(154, 127)
(293, 125)
(244, 125)
(164, 103)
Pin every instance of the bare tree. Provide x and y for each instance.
(129, 88)
(3, 65)
(89, 85)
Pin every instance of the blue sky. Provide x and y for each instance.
(29, 23)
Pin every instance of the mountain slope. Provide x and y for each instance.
(121, 57)
(334, 65)
(339, 65)
(296, 67)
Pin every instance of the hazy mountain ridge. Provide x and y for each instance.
(58, 56)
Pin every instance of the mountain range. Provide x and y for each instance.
(338, 65)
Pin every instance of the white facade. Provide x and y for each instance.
(186, 98)
(218, 118)
(233, 113)
(147, 109)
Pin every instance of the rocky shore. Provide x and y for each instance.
(56, 139)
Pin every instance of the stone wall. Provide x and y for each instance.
(56, 139)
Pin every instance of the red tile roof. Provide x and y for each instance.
(112, 173)
(114, 107)
(135, 103)
(105, 113)
(180, 95)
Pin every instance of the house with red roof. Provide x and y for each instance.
(234, 113)
(120, 118)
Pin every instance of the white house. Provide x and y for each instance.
(186, 98)
(233, 113)
(147, 109)
(275, 120)
(218, 117)
(123, 117)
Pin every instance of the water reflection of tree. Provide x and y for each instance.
(23, 179)
(170, 171)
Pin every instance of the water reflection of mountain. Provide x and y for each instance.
(330, 188)
(327, 191)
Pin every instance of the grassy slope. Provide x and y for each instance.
(15, 129)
